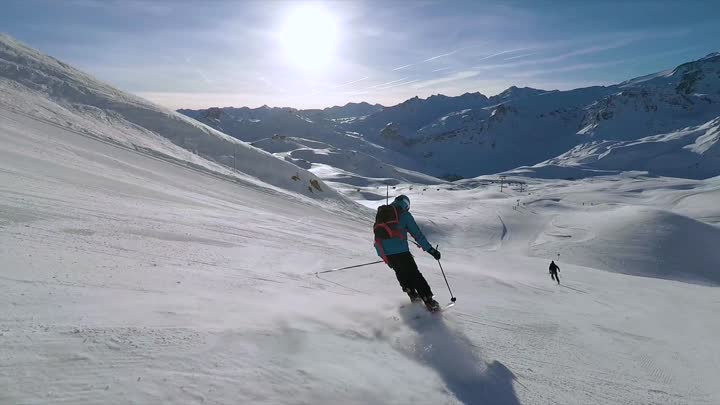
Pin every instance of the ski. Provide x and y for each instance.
(442, 308)
(447, 306)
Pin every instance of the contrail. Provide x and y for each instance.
(440, 56)
(427, 60)
(403, 67)
(521, 56)
(398, 84)
(389, 83)
(501, 53)
(351, 82)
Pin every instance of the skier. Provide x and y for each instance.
(554, 268)
(392, 224)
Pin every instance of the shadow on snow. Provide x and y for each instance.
(451, 355)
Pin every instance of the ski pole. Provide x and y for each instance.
(452, 297)
(347, 268)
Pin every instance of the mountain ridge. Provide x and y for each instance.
(472, 134)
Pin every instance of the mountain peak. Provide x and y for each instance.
(514, 92)
(515, 89)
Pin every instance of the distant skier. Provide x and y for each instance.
(554, 268)
(392, 224)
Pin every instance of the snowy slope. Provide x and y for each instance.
(686, 96)
(505, 136)
(130, 279)
(253, 124)
(318, 141)
(690, 153)
(347, 166)
(45, 88)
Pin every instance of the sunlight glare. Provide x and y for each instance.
(309, 37)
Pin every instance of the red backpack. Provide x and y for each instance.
(387, 226)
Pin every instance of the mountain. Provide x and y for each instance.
(692, 153)
(393, 123)
(252, 124)
(516, 93)
(526, 131)
(375, 133)
(314, 140)
(471, 134)
(347, 166)
(47, 89)
(346, 112)
(499, 137)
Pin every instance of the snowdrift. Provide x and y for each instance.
(45, 88)
(636, 240)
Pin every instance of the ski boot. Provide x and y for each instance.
(431, 304)
(414, 296)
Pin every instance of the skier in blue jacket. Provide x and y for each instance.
(396, 253)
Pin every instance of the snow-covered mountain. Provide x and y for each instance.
(317, 141)
(541, 126)
(252, 124)
(686, 96)
(44, 88)
(362, 167)
(690, 153)
(345, 112)
(472, 134)
(413, 114)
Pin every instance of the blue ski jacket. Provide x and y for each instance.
(400, 245)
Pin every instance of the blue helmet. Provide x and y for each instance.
(402, 201)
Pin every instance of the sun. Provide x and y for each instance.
(308, 37)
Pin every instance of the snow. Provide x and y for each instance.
(130, 279)
(135, 271)
(690, 153)
(40, 86)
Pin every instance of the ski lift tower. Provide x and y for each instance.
(502, 181)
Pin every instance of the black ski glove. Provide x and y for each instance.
(434, 253)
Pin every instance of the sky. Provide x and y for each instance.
(314, 54)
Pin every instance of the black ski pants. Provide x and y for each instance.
(408, 275)
(555, 276)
